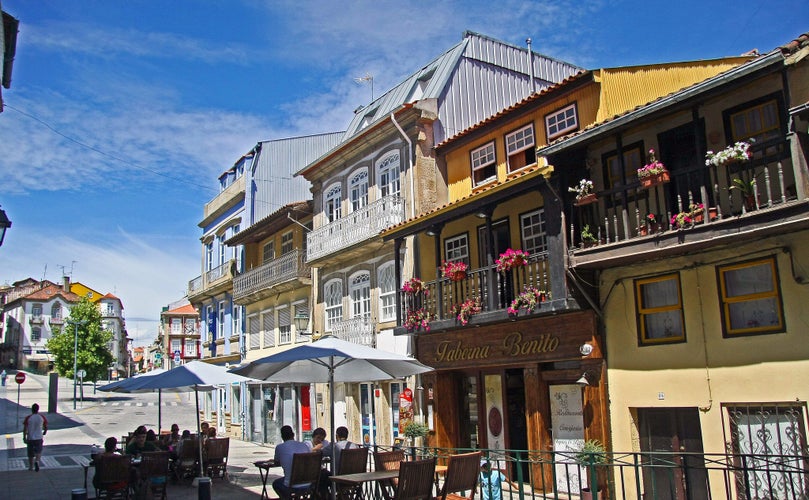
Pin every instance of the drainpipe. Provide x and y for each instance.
(409, 165)
(531, 84)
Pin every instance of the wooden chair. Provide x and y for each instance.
(187, 463)
(461, 477)
(154, 473)
(352, 461)
(112, 476)
(416, 480)
(388, 460)
(216, 457)
(305, 478)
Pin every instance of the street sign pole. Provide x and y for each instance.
(19, 378)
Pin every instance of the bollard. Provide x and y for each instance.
(204, 488)
(78, 494)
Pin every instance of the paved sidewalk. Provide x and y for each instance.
(64, 457)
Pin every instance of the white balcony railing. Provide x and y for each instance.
(358, 330)
(195, 285)
(289, 266)
(355, 227)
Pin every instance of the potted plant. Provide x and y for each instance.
(738, 152)
(417, 319)
(653, 173)
(454, 270)
(584, 192)
(415, 430)
(510, 259)
(748, 191)
(590, 456)
(528, 299)
(682, 220)
(413, 286)
(588, 239)
(650, 225)
(466, 309)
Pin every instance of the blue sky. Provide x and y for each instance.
(122, 114)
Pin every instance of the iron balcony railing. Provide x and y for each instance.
(355, 227)
(287, 267)
(195, 285)
(622, 213)
(495, 291)
(634, 475)
(357, 330)
(218, 272)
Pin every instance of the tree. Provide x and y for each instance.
(94, 355)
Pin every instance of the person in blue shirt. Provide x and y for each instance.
(283, 456)
(491, 481)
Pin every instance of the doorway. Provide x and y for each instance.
(502, 242)
(673, 439)
(680, 155)
(515, 415)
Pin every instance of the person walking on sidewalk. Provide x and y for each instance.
(34, 427)
(3, 377)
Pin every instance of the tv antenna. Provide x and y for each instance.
(366, 79)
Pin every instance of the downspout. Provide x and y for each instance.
(409, 164)
(531, 83)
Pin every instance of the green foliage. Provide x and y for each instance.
(592, 452)
(587, 234)
(414, 429)
(93, 352)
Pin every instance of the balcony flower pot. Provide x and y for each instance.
(592, 454)
(654, 180)
(731, 155)
(586, 199)
(699, 215)
(511, 259)
(454, 270)
(529, 299)
(584, 192)
(653, 173)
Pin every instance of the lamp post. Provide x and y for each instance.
(76, 354)
(5, 223)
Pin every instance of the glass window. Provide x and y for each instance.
(56, 311)
(333, 297)
(287, 243)
(360, 292)
(284, 326)
(176, 326)
(331, 203)
(190, 326)
(222, 248)
(238, 317)
(209, 256)
(387, 292)
(210, 319)
(484, 168)
(358, 186)
(388, 173)
(220, 326)
(562, 121)
(36, 311)
(759, 122)
(36, 334)
(190, 348)
(520, 148)
(751, 300)
(268, 252)
(532, 230)
(269, 328)
(632, 162)
(660, 310)
(176, 346)
(457, 248)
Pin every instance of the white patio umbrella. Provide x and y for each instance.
(193, 376)
(331, 360)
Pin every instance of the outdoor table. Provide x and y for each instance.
(359, 478)
(264, 472)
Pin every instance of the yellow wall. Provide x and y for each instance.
(82, 291)
(707, 370)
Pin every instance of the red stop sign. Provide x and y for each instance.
(19, 378)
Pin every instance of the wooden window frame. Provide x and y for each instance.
(725, 302)
(642, 312)
(555, 115)
(483, 159)
(519, 152)
(543, 222)
(457, 237)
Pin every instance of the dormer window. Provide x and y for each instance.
(420, 86)
(368, 118)
(561, 121)
(520, 148)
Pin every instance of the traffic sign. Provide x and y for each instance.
(82, 373)
(19, 377)
(176, 356)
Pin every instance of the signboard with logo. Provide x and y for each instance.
(405, 408)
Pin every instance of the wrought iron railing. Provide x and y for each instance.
(195, 285)
(622, 213)
(355, 227)
(218, 272)
(635, 475)
(495, 290)
(289, 266)
(358, 330)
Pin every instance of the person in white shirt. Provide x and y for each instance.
(283, 457)
(34, 427)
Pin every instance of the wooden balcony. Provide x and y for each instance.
(495, 291)
(356, 227)
(265, 280)
(719, 201)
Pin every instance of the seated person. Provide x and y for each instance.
(204, 427)
(110, 446)
(139, 444)
(341, 443)
(212, 432)
(319, 442)
(283, 456)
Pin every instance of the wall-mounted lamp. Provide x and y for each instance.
(584, 380)
(431, 232)
(5, 223)
(481, 215)
(302, 322)
(586, 349)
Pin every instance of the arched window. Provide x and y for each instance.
(388, 174)
(56, 311)
(387, 292)
(333, 297)
(331, 203)
(360, 293)
(358, 186)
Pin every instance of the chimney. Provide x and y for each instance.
(66, 283)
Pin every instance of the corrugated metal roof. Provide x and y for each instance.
(272, 182)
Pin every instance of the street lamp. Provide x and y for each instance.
(76, 354)
(5, 223)
(302, 322)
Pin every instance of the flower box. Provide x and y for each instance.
(654, 180)
(454, 270)
(586, 199)
(511, 259)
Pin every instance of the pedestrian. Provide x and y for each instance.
(491, 481)
(34, 427)
(3, 376)
(283, 457)
(342, 443)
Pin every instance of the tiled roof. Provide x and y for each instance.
(50, 292)
(186, 309)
